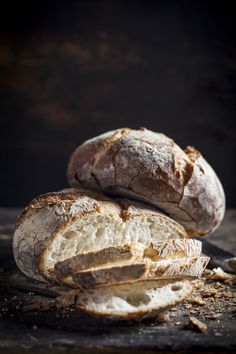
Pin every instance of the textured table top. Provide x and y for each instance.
(56, 331)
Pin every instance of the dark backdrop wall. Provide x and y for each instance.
(73, 69)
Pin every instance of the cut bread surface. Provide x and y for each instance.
(59, 225)
(157, 250)
(107, 255)
(114, 274)
(106, 228)
(133, 301)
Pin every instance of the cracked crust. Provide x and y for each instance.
(42, 219)
(149, 166)
(165, 269)
(46, 218)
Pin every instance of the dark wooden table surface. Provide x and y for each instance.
(55, 331)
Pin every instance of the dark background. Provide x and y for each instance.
(73, 69)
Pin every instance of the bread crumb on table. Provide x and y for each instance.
(196, 300)
(196, 325)
(220, 275)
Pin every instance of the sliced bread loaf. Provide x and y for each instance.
(57, 226)
(114, 274)
(134, 301)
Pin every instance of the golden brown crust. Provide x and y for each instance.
(149, 166)
(51, 214)
(42, 219)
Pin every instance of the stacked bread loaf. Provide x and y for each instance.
(129, 258)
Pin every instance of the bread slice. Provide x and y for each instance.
(132, 272)
(57, 226)
(134, 301)
(157, 250)
(87, 260)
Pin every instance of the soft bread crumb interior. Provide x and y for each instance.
(98, 231)
(130, 299)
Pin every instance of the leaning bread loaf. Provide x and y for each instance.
(57, 226)
(149, 166)
(134, 301)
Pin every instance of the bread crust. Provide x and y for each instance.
(50, 214)
(41, 220)
(149, 166)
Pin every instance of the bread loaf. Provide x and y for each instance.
(149, 166)
(60, 225)
(134, 301)
(125, 256)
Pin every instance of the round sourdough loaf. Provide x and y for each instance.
(60, 225)
(149, 166)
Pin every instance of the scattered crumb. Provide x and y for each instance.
(31, 307)
(231, 282)
(195, 300)
(41, 305)
(208, 292)
(188, 306)
(196, 325)
(198, 284)
(219, 274)
(232, 263)
(163, 317)
(66, 300)
(207, 272)
(213, 316)
(217, 334)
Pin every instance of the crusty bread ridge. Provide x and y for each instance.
(149, 166)
(59, 225)
(134, 301)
